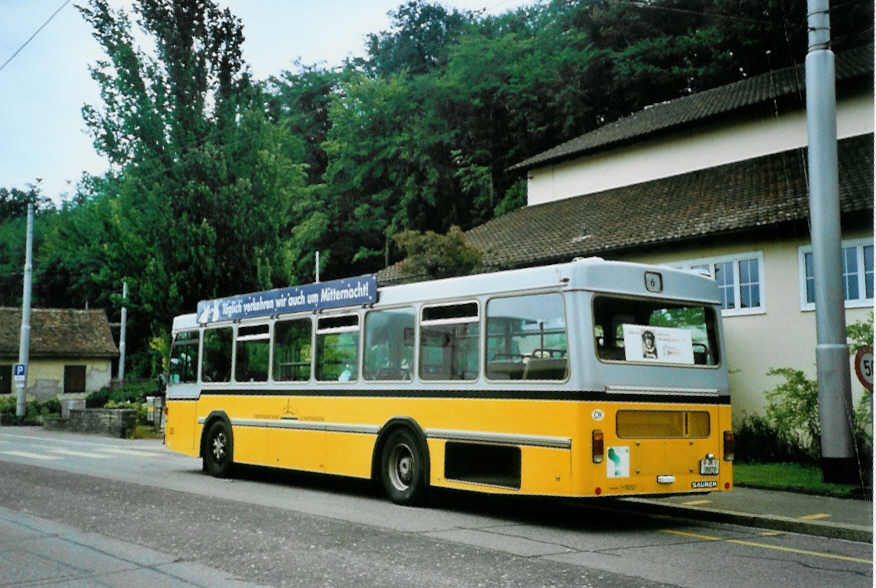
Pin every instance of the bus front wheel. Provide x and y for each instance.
(403, 468)
(218, 450)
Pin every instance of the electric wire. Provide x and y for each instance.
(35, 33)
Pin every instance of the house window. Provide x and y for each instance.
(74, 379)
(5, 379)
(857, 274)
(740, 281)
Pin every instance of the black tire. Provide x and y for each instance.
(218, 450)
(403, 468)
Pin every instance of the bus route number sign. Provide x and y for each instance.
(864, 366)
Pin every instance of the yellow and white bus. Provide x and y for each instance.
(583, 379)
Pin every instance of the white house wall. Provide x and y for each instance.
(782, 335)
(688, 150)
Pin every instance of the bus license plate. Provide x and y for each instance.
(709, 466)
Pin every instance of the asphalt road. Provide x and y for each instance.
(93, 511)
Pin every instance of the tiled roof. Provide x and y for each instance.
(701, 106)
(732, 198)
(58, 332)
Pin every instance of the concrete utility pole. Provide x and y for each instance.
(838, 461)
(24, 340)
(122, 332)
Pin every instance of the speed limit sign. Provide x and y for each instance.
(864, 366)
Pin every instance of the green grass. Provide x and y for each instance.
(145, 432)
(790, 476)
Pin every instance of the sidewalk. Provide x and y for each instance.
(807, 514)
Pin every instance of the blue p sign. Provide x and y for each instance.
(18, 371)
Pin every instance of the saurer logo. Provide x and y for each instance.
(704, 484)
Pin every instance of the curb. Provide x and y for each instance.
(849, 532)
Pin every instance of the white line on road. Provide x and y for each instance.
(57, 439)
(136, 452)
(30, 455)
(80, 453)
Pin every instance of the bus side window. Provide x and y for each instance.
(292, 357)
(184, 358)
(526, 338)
(337, 348)
(216, 365)
(449, 341)
(253, 344)
(389, 344)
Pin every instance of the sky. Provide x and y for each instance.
(43, 88)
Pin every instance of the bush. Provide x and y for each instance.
(50, 406)
(793, 408)
(128, 392)
(759, 441)
(792, 415)
(140, 407)
(34, 410)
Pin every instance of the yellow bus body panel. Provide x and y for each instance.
(544, 470)
(180, 432)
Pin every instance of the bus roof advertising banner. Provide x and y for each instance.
(322, 295)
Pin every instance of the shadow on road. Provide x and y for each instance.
(592, 514)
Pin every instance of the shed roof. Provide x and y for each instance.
(58, 332)
(764, 88)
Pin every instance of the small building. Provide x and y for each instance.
(716, 182)
(71, 351)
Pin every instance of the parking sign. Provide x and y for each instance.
(19, 372)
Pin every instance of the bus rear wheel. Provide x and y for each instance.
(403, 468)
(218, 450)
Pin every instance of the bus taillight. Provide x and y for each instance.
(598, 446)
(729, 446)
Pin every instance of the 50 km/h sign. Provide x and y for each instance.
(864, 366)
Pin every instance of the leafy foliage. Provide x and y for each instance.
(860, 334)
(430, 255)
(131, 391)
(759, 441)
(34, 410)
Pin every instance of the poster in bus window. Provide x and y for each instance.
(658, 344)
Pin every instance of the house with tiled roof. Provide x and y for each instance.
(71, 351)
(715, 181)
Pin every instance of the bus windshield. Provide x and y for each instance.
(654, 331)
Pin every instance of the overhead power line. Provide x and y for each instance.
(35, 33)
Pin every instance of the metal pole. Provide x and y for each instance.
(317, 267)
(831, 352)
(122, 333)
(24, 340)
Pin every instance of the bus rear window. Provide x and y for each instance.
(654, 331)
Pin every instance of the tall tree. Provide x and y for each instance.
(204, 181)
(418, 41)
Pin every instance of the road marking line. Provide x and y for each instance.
(696, 502)
(771, 533)
(29, 455)
(136, 452)
(813, 517)
(80, 453)
(768, 546)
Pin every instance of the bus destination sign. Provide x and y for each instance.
(334, 294)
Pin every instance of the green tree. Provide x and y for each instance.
(389, 168)
(431, 255)
(418, 41)
(13, 201)
(300, 102)
(204, 183)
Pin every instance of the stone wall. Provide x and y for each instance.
(116, 422)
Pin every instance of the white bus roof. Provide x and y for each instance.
(591, 274)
